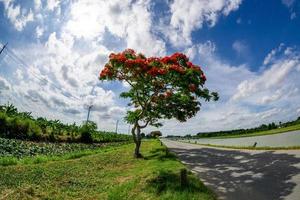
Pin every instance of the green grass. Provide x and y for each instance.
(269, 132)
(110, 174)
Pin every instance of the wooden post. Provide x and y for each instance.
(255, 144)
(183, 178)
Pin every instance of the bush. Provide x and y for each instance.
(17, 128)
(3, 124)
(86, 133)
(34, 131)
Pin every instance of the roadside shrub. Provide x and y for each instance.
(34, 131)
(3, 124)
(51, 137)
(86, 134)
(17, 128)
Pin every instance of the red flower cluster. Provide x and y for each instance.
(120, 57)
(168, 94)
(192, 87)
(153, 66)
(177, 56)
(154, 71)
(177, 68)
(106, 72)
(203, 77)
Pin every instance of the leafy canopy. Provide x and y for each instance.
(160, 87)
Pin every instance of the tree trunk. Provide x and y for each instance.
(136, 133)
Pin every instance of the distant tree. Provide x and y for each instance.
(87, 130)
(9, 109)
(155, 134)
(160, 88)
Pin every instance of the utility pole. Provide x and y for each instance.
(129, 129)
(117, 126)
(88, 115)
(3, 48)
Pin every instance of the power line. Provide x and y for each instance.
(16, 58)
(129, 129)
(3, 48)
(24, 65)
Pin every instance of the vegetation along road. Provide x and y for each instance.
(243, 174)
(110, 172)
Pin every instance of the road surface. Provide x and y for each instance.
(287, 139)
(243, 174)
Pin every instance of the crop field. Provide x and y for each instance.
(20, 149)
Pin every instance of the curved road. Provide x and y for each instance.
(243, 174)
(287, 139)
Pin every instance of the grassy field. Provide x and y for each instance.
(269, 132)
(112, 173)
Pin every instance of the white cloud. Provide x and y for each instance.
(293, 15)
(189, 16)
(39, 31)
(52, 4)
(247, 99)
(18, 17)
(240, 47)
(288, 3)
(273, 78)
(37, 4)
(4, 84)
(130, 21)
(273, 97)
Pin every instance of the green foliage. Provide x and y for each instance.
(168, 87)
(155, 134)
(87, 130)
(21, 125)
(34, 131)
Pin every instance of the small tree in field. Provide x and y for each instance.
(155, 134)
(160, 88)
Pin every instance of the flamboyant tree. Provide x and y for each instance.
(160, 88)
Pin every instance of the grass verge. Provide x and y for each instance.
(269, 132)
(111, 174)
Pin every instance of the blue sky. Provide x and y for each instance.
(248, 48)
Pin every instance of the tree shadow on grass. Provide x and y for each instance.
(161, 154)
(259, 175)
(169, 181)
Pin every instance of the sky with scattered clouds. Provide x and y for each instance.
(249, 50)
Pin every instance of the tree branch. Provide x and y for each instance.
(145, 125)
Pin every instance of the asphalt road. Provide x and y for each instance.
(291, 138)
(243, 174)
